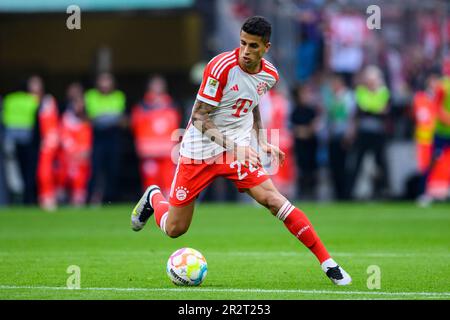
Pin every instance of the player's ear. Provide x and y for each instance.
(268, 45)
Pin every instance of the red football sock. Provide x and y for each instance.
(300, 226)
(161, 207)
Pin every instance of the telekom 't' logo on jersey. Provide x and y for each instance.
(242, 105)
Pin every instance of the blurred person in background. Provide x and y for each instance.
(105, 107)
(346, 37)
(153, 120)
(21, 142)
(274, 108)
(424, 111)
(75, 148)
(437, 177)
(305, 120)
(48, 133)
(19, 119)
(372, 101)
(340, 110)
(310, 48)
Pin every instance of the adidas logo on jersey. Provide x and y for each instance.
(235, 88)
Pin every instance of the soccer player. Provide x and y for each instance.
(217, 143)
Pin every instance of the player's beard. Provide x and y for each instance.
(250, 64)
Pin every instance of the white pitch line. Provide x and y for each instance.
(337, 254)
(236, 290)
(275, 253)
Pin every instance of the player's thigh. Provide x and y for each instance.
(267, 195)
(179, 218)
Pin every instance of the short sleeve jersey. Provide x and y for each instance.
(234, 93)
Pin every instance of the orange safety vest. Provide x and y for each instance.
(76, 134)
(48, 118)
(153, 121)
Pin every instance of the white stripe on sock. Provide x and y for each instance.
(288, 212)
(283, 209)
(163, 222)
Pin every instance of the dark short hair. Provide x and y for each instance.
(258, 26)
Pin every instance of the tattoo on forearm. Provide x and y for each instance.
(200, 116)
(202, 121)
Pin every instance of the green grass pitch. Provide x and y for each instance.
(250, 254)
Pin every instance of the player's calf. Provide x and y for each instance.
(178, 220)
(175, 231)
(274, 200)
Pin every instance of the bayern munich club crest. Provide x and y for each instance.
(262, 88)
(181, 193)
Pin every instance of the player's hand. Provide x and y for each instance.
(247, 156)
(275, 152)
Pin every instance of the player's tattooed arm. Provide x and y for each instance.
(203, 122)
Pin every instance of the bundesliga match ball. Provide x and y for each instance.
(187, 267)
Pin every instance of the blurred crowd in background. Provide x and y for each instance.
(73, 155)
(359, 113)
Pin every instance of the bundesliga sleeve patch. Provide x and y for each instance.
(211, 87)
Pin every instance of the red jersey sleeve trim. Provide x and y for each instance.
(270, 69)
(207, 100)
(215, 78)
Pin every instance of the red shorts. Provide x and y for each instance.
(192, 176)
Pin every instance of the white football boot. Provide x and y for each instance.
(336, 274)
(143, 209)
